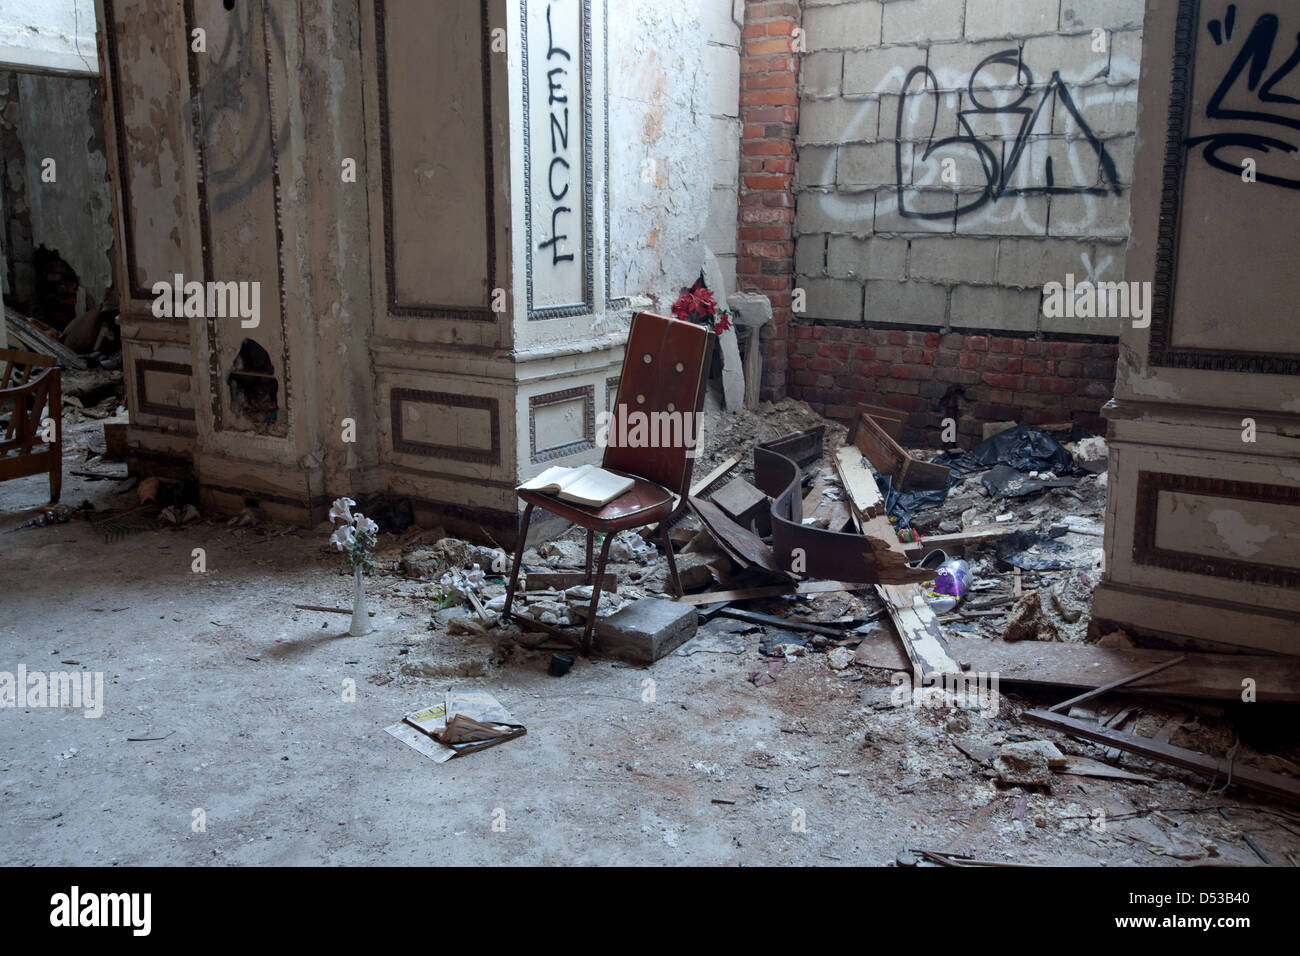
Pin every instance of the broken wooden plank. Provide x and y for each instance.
(821, 511)
(803, 448)
(961, 539)
(1087, 767)
(918, 629)
(742, 545)
(1219, 769)
(744, 504)
(780, 623)
(775, 590)
(1053, 664)
(890, 419)
(891, 460)
(865, 498)
(1116, 684)
(699, 487)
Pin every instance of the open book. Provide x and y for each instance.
(585, 485)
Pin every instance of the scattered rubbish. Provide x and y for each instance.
(561, 664)
(767, 674)
(147, 737)
(478, 721)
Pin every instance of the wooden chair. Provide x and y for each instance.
(28, 384)
(665, 370)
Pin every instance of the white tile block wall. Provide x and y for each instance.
(969, 243)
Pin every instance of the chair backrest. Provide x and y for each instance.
(665, 371)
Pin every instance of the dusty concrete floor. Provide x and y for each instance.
(250, 692)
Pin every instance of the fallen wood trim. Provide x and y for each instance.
(864, 496)
(1217, 768)
(327, 610)
(891, 460)
(780, 623)
(1116, 684)
(918, 629)
(776, 590)
(820, 554)
(959, 539)
(741, 545)
(803, 448)
(1051, 664)
(716, 474)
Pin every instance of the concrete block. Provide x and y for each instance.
(1104, 14)
(816, 166)
(1009, 215)
(1072, 56)
(952, 167)
(837, 121)
(1125, 57)
(916, 21)
(917, 303)
(835, 212)
(810, 255)
(921, 211)
(866, 164)
(1031, 263)
(954, 64)
(838, 299)
(843, 26)
(720, 80)
(820, 74)
(872, 258)
(879, 71)
(1122, 150)
(953, 259)
(1107, 110)
(994, 308)
(919, 116)
(1091, 216)
(1022, 18)
(646, 630)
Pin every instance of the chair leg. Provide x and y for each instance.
(673, 580)
(595, 594)
(591, 538)
(519, 557)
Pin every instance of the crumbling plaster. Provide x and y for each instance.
(674, 114)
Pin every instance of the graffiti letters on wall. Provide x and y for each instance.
(555, 142)
(1256, 100)
(1006, 111)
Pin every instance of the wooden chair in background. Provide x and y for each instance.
(29, 384)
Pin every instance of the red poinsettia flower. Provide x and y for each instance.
(697, 304)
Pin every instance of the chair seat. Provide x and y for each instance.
(645, 503)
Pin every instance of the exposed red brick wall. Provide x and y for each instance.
(769, 116)
(1003, 378)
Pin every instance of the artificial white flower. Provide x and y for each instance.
(343, 537)
(340, 510)
(362, 523)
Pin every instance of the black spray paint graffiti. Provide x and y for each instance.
(557, 98)
(236, 91)
(999, 171)
(1253, 61)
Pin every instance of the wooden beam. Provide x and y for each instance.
(1215, 767)
(697, 489)
(918, 628)
(1053, 664)
(1116, 684)
(775, 590)
(865, 498)
(960, 539)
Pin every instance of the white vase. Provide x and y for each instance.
(360, 618)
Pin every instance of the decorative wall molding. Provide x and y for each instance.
(399, 396)
(149, 407)
(588, 305)
(587, 393)
(429, 310)
(1161, 351)
(1146, 551)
